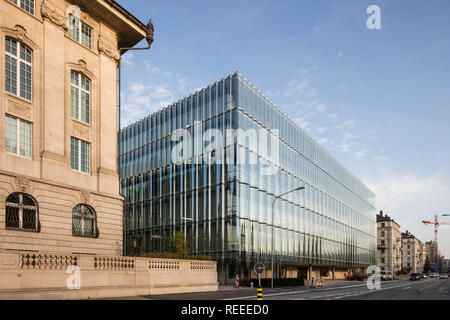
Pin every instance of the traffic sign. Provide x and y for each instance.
(259, 268)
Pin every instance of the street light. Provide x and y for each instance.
(273, 225)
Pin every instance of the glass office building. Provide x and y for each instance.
(224, 208)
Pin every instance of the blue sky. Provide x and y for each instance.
(377, 100)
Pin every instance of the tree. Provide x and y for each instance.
(179, 244)
(427, 265)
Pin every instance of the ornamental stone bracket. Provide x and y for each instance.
(19, 33)
(52, 16)
(82, 67)
(85, 197)
(108, 50)
(23, 184)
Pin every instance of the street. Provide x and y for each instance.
(425, 289)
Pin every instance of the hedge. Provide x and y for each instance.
(277, 282)
(168, 255)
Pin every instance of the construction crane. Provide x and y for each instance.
(436, 224)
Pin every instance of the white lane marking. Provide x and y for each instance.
(302, 291)
(373, 291)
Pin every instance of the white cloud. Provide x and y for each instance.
(345, 147)
(395, 191)
(340, 54)
(296, 87)
(301, 122)
(155, 70)
(128, 59)
(349, 124)
(333, 116)
(142, 98)
(315, 116)
(410, 198)
(360, 154)
(321, 107)
(321, 129)
(348, 136)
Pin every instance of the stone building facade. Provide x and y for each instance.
(389, 237)
(431, 247)
(59, 188)
(414, 253)
(423, 255)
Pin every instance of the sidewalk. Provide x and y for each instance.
(326, 284)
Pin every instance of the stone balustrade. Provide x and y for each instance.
(46, 261)
(38, 274)
(114, 263)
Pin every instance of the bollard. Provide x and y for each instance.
(259, 294)
(236, 282)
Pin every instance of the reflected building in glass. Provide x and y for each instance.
(224, 207)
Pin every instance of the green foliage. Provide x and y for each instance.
(402, 272)
(180, 247)
(427, 266)
(357, 277)
(277, 282)
(168, 255)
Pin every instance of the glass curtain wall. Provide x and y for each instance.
(224, 208)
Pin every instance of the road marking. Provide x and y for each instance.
(375, 291)
(296, 292)
(303, 291)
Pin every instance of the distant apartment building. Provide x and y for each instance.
(414, 253)
(431, 247)
(444, 264)
(389, 237)
(423, 255)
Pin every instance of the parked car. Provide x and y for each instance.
(444, 276)
(414, 276)
(386, 276)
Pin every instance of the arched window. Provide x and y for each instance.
(21, 213)
(84, 221)
(18, 68)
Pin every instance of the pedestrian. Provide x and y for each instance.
(236, 283)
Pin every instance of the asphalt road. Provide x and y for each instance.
(430, 289)
(425, 289)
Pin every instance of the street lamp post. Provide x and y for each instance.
(273, 225)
